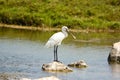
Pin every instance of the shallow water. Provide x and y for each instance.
(23, 52)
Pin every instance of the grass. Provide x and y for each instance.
(78, 14)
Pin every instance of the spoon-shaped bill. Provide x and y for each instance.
(73, 36)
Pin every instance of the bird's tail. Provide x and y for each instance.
(49, 44)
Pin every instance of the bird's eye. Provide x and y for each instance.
(67, 30)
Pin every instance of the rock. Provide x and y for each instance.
(49, 78)
(56, 67)
(44, 78)
(78, 64)
(114, 55)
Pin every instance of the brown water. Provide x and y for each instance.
(22, 52)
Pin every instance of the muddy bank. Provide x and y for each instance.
(53, 29)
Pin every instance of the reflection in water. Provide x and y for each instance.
(115, 68)
(23, 52)
(82, 38)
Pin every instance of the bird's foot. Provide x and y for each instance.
(57, 61)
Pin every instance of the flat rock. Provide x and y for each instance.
(44, 78)
(56, 67)
(114, 55)
(49, 78)
(78, 64)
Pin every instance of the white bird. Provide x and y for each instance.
(56, 40)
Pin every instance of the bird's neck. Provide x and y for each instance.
(65, 33)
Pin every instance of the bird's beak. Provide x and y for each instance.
(71, 34)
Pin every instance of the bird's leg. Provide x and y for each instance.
(56, 53)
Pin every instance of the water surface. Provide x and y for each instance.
(23, 52)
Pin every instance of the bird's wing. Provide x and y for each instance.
(58, 36)
(55, 39)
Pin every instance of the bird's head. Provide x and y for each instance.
(65, 29)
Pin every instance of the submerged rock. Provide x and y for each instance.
(10, 76)
(114, 55)
(78, 64)
(56, 67)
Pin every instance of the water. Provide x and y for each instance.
(22, 52)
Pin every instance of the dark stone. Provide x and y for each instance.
(78, 64)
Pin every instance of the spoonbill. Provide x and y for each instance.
(56, 40)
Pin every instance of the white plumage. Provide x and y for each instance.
(56, 40)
